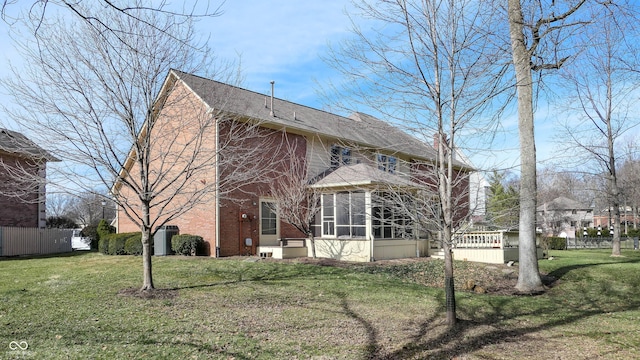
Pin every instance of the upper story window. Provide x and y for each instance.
(340, 155)
(387, 163)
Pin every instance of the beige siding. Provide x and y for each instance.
(317, 156)
(347, 250)
(399, 249)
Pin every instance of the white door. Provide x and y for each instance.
(269, 223)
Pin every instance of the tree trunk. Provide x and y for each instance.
(313, 245)
(529, 277)
(147, 282)
(614, 196)
(449, 288)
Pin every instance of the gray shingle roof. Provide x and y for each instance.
(562, 203)
(15, 143)
(359, 128)
(360, 175)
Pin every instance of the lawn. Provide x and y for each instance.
(81, 306)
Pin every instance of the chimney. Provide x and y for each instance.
(271, 112)
(436, 140)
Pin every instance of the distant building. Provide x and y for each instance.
(563, 217)
(22, 181)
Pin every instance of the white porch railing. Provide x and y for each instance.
(487, 240)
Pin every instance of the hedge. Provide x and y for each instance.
(116, 244)
(555, 243)
(185, 244)
(133, 245)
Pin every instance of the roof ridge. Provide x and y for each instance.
(275, 97)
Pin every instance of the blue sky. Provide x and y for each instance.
(284, 40)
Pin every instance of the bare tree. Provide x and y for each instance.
(428, 67)
(105, 105)
(537, 33)
(295, 201)
(604, 80)
(39, 10)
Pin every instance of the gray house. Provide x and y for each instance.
(563, 217)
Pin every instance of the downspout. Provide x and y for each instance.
(217, 207)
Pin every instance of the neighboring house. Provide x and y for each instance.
(22, 181)
(628, 218)
(347, 159)
(564, 217)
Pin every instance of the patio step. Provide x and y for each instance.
(438, 255)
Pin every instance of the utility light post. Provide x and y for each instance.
(104, 203)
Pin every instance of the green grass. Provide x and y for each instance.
(71, 307)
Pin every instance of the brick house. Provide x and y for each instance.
(347, 159)
(22, 175)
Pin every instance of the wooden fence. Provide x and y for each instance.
(34, 241)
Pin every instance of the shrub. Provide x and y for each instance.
(554, 243)
(104, 228)
(103, 245)
(133, 244)
(633, 233)
(116, 243)
(186, 244)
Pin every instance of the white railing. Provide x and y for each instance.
(16, 241)
(487, 239)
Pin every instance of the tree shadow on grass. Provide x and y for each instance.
(563, 271)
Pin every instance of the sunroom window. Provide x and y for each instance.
(389, 217)
(343, 215)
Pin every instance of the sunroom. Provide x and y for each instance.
(356, 222)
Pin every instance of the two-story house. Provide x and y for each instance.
(22, 181)
(564, 217)
(347, 159)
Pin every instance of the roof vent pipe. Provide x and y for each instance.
(265, 103)
(294, 116)
(271, 112)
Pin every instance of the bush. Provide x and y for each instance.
(104, 229)
(116, 243)
(121, 244)
(554, 243)
(633, 233)
(133, 244)
(103, 245)
(190, 245)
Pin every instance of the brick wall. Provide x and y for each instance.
(248, 165)
(14, 211)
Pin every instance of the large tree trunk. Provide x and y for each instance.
(529, 277)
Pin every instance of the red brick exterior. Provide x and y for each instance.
(201, 219)
(426, 174)
(15, 211)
